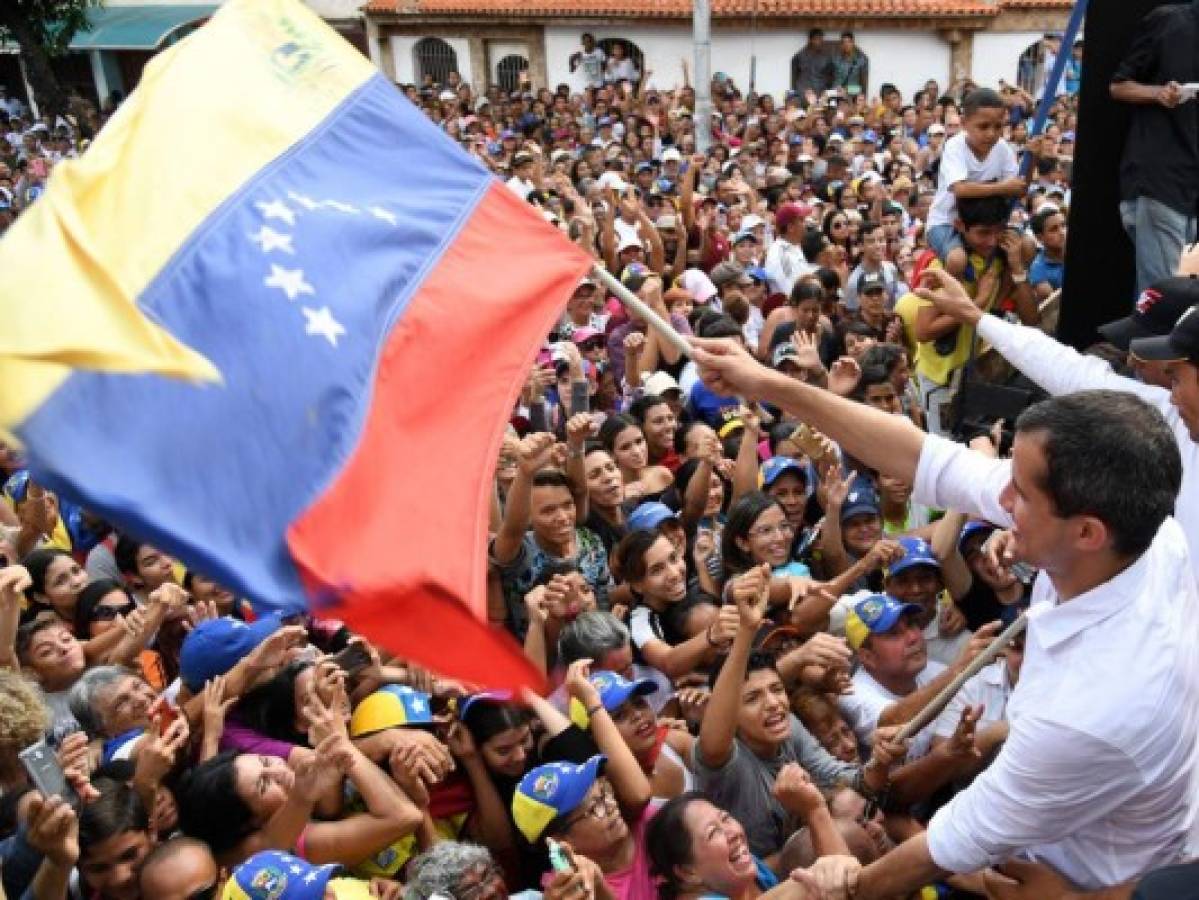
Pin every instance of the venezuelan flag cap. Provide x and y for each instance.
(390, 707)
(614, 691)
(876, 614)
(497, 698)
(916, 552)
(272, 875)
(551, 791)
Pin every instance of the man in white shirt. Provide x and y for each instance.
(889, 642)
(990, 690)
(588, 64)
(785, 262)
(1098, 775)
(1059, 369)
(522, 182)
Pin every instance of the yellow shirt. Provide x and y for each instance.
(930, 362)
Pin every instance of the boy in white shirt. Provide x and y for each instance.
(977, 162)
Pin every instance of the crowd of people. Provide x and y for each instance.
(743, 570)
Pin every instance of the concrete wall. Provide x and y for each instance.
(997, 54)
(327, 9)
(906, 58)
(404, 60)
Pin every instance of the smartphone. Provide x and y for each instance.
(46, 774)
(558, 859)
(167, 712)
(353, 659)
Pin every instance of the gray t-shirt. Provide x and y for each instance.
(744, 785)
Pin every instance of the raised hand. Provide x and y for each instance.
(536, 451)
(728, 368)
(795, 792)
(948, 295)
(844, 376)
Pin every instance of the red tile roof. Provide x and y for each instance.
(681, 9)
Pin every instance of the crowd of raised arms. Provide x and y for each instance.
(736, 599)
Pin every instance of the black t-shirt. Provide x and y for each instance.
(1173, 883)
(1161, 153)
(608, 533)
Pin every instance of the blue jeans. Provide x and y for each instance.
(1158, 233)
(942, 239)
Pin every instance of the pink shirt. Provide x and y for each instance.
(635, 881)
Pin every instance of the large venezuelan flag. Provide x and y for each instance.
(268, 207)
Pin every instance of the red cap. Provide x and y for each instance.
(788, 213)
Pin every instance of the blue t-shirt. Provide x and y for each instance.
(766, 880)
(1044, 269)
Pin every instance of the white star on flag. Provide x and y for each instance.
(418, 704)
(342, 207)
(276, 209)
(311, 877)
(385, 215)
(322, 323)
(303, 200)
(290, 281)
(268, 239)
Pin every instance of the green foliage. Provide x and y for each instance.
(50, 24)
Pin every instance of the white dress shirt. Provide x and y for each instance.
(1098, 775)
(785, 265)
(1059, 369)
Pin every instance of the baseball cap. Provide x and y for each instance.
(745, 235)
(777, 466)
(634, 274)
(877, 614)
(698, 284)
(785, 352)
(215, 646)
(672, 154)
(862, 498)
(614, 691)
(551, 791)
(1157, 310)
(788, 213)
(627, 241)
(751, 221)
(902, 183)
(870, 282)
(649, 516)
(612, 180)
(836, 138)
(972, 528)
(391, 706)
(581, 335)
(604, 121)
(936, 128)
(660, 383)
(447, 95)
(521, 159)
(644, 167)
(916, 552)
(274, 875)
(508, 135)
(667, 222)
(1182, 343)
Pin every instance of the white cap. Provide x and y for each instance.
(751, 221)
(447, 95)
(671, 154)
(659, 383)
(667, 222)
(627, 241)
(836, 136)
(936, 128)
(613, 180)
(804, 157)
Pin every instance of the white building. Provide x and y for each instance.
(907, 41)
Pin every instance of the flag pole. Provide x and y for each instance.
(635, 304)
(939, 702)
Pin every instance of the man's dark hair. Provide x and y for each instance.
(871, 375)
(981, 98)
(551, 478)
(1110, 455)
(125, 554)
(815, 32)
(117, 810)
(758, 660)
(27, 632)
(887, 90)
(847, 34)
(720, 327)
(813, 243)
(640, 407)
(1038, 221)
(975, 211)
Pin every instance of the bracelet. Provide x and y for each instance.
(595, 709)
(575, 454)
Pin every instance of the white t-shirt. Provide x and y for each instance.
(863, 707)
(521, 187)
(590, 70)
(958, 163)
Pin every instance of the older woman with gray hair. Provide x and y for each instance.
(603, 638)
(453, 871)
(113, 703)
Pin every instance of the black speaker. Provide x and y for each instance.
(1100, 270)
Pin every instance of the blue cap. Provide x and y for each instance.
(745, 234)
(795, 140)
(274, 875)
(644, 167)
(664, 185)
(870, 135)
(757, 273)
(498, 698)
(862, 499)
(551, 791)
(508, 135)
(392, 706)
(215, 646)
(604, 120)
(649, 516)
(916, 552)
(970, 529)
(614, 692)
(877, 614)
(777, 466)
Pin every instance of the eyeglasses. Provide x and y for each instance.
(104, 613)
(783, 529)
(604, 802)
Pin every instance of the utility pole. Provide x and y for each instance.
(701, 25)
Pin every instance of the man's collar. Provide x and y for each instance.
(1056, 624)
